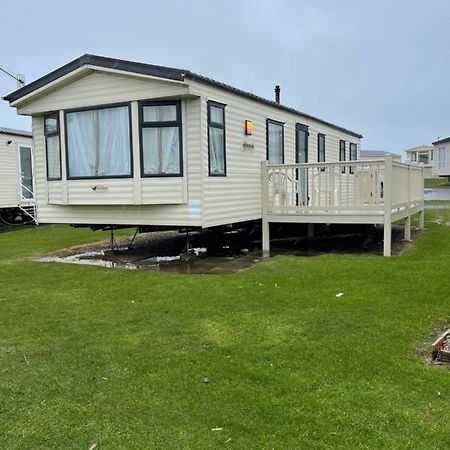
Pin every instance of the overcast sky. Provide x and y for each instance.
(381, 68)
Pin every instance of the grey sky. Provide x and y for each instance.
(381, 68)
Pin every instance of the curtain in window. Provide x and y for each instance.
(161, 150)
(275, 138)
(216, 150)
(99, 142)
(53, 157)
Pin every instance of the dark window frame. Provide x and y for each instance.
(342, 153)
(53, 134)
(305, 128)
(319, 136)
(221, 126)
(275, 122)
(354, 146)
(94, 108)
(173, 123)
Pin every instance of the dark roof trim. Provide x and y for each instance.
(14, 132)
(156, 71)
(442, 141)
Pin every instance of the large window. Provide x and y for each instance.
(216, 139)
(353, 155)
(301, 143)
(51, 131)
(161, 151)
(342, 153)
(320, 147)
(98, 142)
(275, 142)
(441, 158)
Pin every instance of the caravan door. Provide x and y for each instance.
(26, 187)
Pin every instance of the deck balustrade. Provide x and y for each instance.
(379, 191)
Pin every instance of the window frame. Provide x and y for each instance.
(442, 151)
(53, 134)
(319, 136)
(305, 128)
(221, 126)
(342, 153)
(94, 108)
(274, 122)
(350, 158)
(170, 124)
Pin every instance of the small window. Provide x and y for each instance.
(275, 142)
(52, 146)
(414, 157)
(431, 155)
(320, 147)
(353, 150)
(99, 142)
(216, 139)
(342, 153)
(161, 148)
(301, 143)
(441, 158)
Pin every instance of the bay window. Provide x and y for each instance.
(52, 146)
(98, 142)
(160, 127)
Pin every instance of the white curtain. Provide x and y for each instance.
(160, 113)
(161, 144)
(114, 142)
(275, 133)
(98, 142)
(161, 150)
(53, 157)
(216, 151)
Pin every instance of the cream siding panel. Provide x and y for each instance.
(237, 197)
(99, 88)
(162, 190)
(55, 193)
(9, 168)
(9, 171)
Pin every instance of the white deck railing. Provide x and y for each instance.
(375, 191)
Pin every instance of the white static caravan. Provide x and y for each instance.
(441, 162)
(124, 143)
(17, 199)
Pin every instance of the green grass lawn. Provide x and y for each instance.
(118, 358)
(436, 182)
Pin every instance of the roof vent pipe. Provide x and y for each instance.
(277, 94)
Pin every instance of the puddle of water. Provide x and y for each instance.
(196, 262)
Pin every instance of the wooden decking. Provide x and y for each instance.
(380, 191)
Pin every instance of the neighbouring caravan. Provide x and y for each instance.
(17, 190)
(421, 155)
(124, 143)
(441, 164)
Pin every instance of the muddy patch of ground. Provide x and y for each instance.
(228, 251)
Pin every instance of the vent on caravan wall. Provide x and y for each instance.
(277, 93)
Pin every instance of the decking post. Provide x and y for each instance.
(407, 228)
(422, 219)
(387, 197)
(264, 205)
(310, 230)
